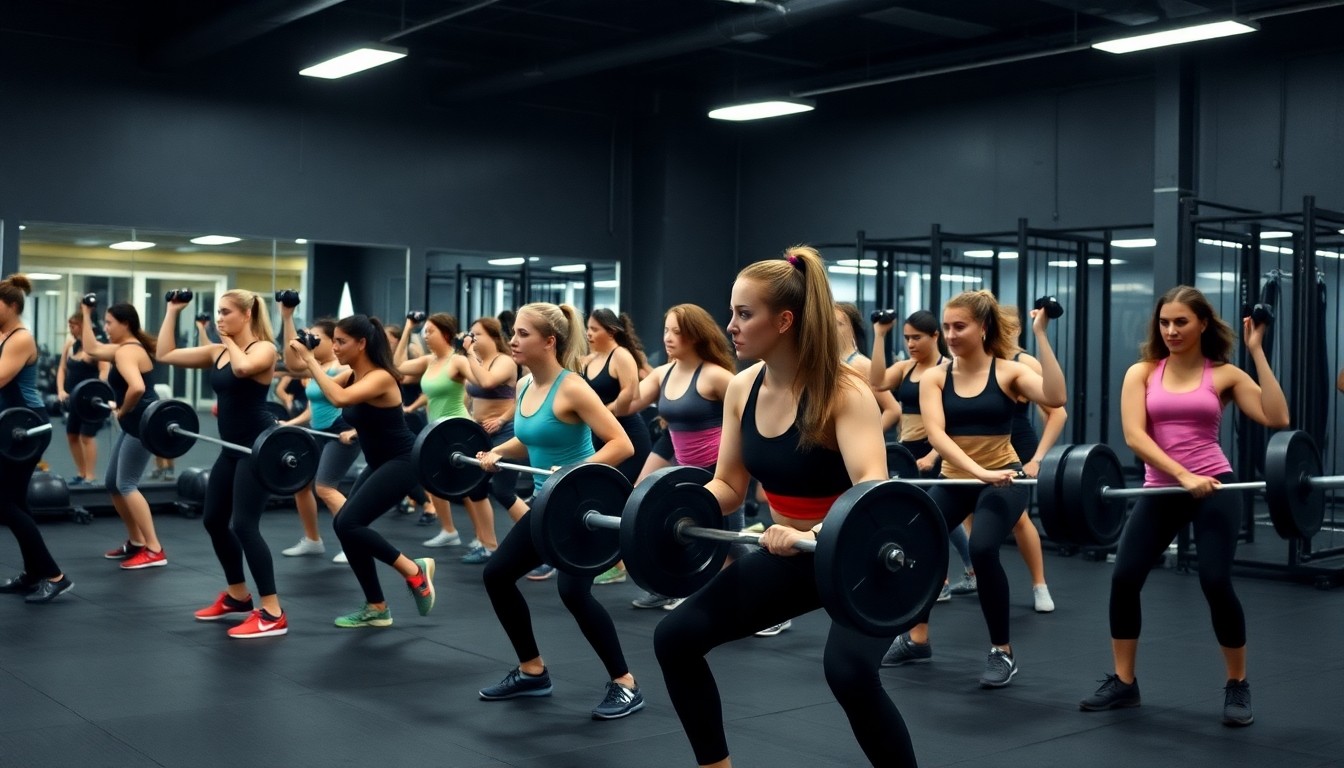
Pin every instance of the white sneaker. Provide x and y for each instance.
(340, 557)
(306, 546)
(775, 630)
(1041, 595)
(444, 539)
(672, 604)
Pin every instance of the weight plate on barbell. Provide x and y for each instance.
(557, 527)
(901, 462)
(1050, 501)
(658, 559)
(433, 447)
(275, 450)
(857, 586)
(1296, 507)
(154, 428)
(21, 448)
(82, 399)
(1094, 520)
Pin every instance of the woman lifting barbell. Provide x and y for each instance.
(807, 429)
(556, 418)
(77, 366)
(1171, 407)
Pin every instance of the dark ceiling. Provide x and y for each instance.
(604, 54)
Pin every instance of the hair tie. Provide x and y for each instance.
(794, 260)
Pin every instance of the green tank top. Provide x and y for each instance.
(445, 395)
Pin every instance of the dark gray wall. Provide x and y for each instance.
(377, 279)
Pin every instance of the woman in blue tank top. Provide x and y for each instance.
(41, 579)
(556, 417)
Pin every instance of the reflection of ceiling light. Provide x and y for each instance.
(186, 249)
(988, 254)
(1275, 235)
(534, 258)
(1137, 242)
(1226, 277)
(761, 109)
(367, 57)
(87, 242)
(857, 262)
(569, 268)
(1071, 263)
(1275, 248)
(839, 270)
(52, 293)
(607, 284)
(301, 241)
(1175, 36)
(42, 276)
(131, 245)
(512, 261)
(1326, 254)
(955, 278)
(22, 227)
(215, 240)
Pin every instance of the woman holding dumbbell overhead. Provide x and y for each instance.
(131, 352)
(808, 430)
(370, 401)
(41, 579)
(849, 324)
(556, 418)
(492, 389)
(968, 409)
(241, 367)
(79, 365)
(1171, 407)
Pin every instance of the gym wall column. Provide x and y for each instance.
(9, 247)
(1175, 120)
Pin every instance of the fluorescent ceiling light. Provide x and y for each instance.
(1137, 242)
(857, 262)
(1072, 263)
(300, 241)
(607, 284)
(131, 245)
(1275, 235)
(1225, 277)
(1175, 36)
(367, 57)
(955, 278)
(761, 109)
(512, 261)
(1326, 254)
(22, 227)
(534, 258)
(215, 240)
(839, 270)
(569, 268)
(52, 293)
(988, 254)
(42, 276)
(1275, 248)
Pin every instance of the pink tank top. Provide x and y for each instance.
(1185, 426)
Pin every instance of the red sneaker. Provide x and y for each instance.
(259, 624)
(145, 558)
(122, 552)
(222, 607)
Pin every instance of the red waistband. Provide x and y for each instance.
(801, 507)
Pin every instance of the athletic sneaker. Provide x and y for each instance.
(776, 629)
(754, 528)
(619, 702)
(945, 594)
(966, 586)
(306, 546)
(260, 624)
(1237, 704)
(1113, 694)
(518, 683)
(124, 551)
(423, 594)
(1040, 595)
(999, 669)
(427, 518)
(613, 575)
(444, 539)
(223, 606)
(673, 603)
(340, 557)
(367, 616)
(904, 651)
(145, 558)
(477, 555)
(652, 600)
(541, 573)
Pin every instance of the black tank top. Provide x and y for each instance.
(76, 370)
(780, 466)
(21, 391)
(988, 413)
(383, 434)
(907, 392)
(242, 404)
(604, 384)
(130, 423)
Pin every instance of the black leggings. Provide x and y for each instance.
(515, 557)
(638, 431)
(755, 592)
(234, 501)
(996, 511)
(14, 478)
(1152, 525)
(376, 490)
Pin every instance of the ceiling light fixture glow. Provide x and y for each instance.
(42, 276)
(760, 110)
(1275, 235)
(215, 240)
(366, 57)
(988, 254)
(131, 245)
(1136, 242)
(570, 268)
(1176, 36)
(511, 261)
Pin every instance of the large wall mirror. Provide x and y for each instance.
(475, 284)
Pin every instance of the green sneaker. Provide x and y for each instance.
(367, 616)
(424, 594)
(613, 575)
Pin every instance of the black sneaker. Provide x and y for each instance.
(19, 585)
(999, 669)
(1114, 693)
(903, 651)
(619, 702)
(518, 683)
(47, 591)
(1237, 704)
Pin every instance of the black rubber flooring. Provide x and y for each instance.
(118, 674)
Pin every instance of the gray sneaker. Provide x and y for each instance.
(945, 594)
(651, 600)
(999, 669)
(1237, 704)
(517, 683)
(906, 651)
(619, 702)
(964, 587)
(1114, 693)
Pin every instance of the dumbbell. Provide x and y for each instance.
(1260, 314)
(203, 317)
(24, 434)
(89, 300)
(1051, 306)
(288, 297)
(179, 296)
(308, 340)
(883, 316)
(416, 316)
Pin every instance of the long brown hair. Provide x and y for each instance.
(999, 324)
(494, 330)
(622, 330)
(1215, 343)
(127, 315)
(698, 327)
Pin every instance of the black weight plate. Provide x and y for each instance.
(154, 428)
(657, 558)
(437, 443)
(1296, 507)
(557, 527)
(1050, 501)
(20, 448)
(1094, 521)
(278, 411)
(857, 586)
(901, 462)
(284, 459)
(83, 397)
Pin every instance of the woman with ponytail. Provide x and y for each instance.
(41, 579)
(131, 352)
(369, 396)
(240, 367)
(556, 419)
(807, 429)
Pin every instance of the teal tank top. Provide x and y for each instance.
(445, 395)
(550, 442)
(324, 413)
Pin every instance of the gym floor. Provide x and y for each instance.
(117, 673)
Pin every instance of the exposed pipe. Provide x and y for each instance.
(439, 20)
(242, 22)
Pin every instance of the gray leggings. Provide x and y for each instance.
(336, 460)
(129, 457)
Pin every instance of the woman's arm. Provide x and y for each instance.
(399, 354)
(627, 375)
(14, 355)
(878, 373)
(303, 418)
(89, 340)
(420, 402)
(281, 384)
(578, 398)
(1048, 387)
(935, 423)
(1134, 420)
(256, 359)
(166, 350)
(1264, 403)
(1054, 419)
(61, 394)
(649, 386)
(373, 386)
(293, 362)
(494, 375)
(730, 482)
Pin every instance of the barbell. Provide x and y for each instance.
(91, 400)
(284, 459)
(24, 434)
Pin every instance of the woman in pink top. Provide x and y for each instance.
(1171, 407)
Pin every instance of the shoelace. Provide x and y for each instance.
(617, 694)
(1239, 695)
